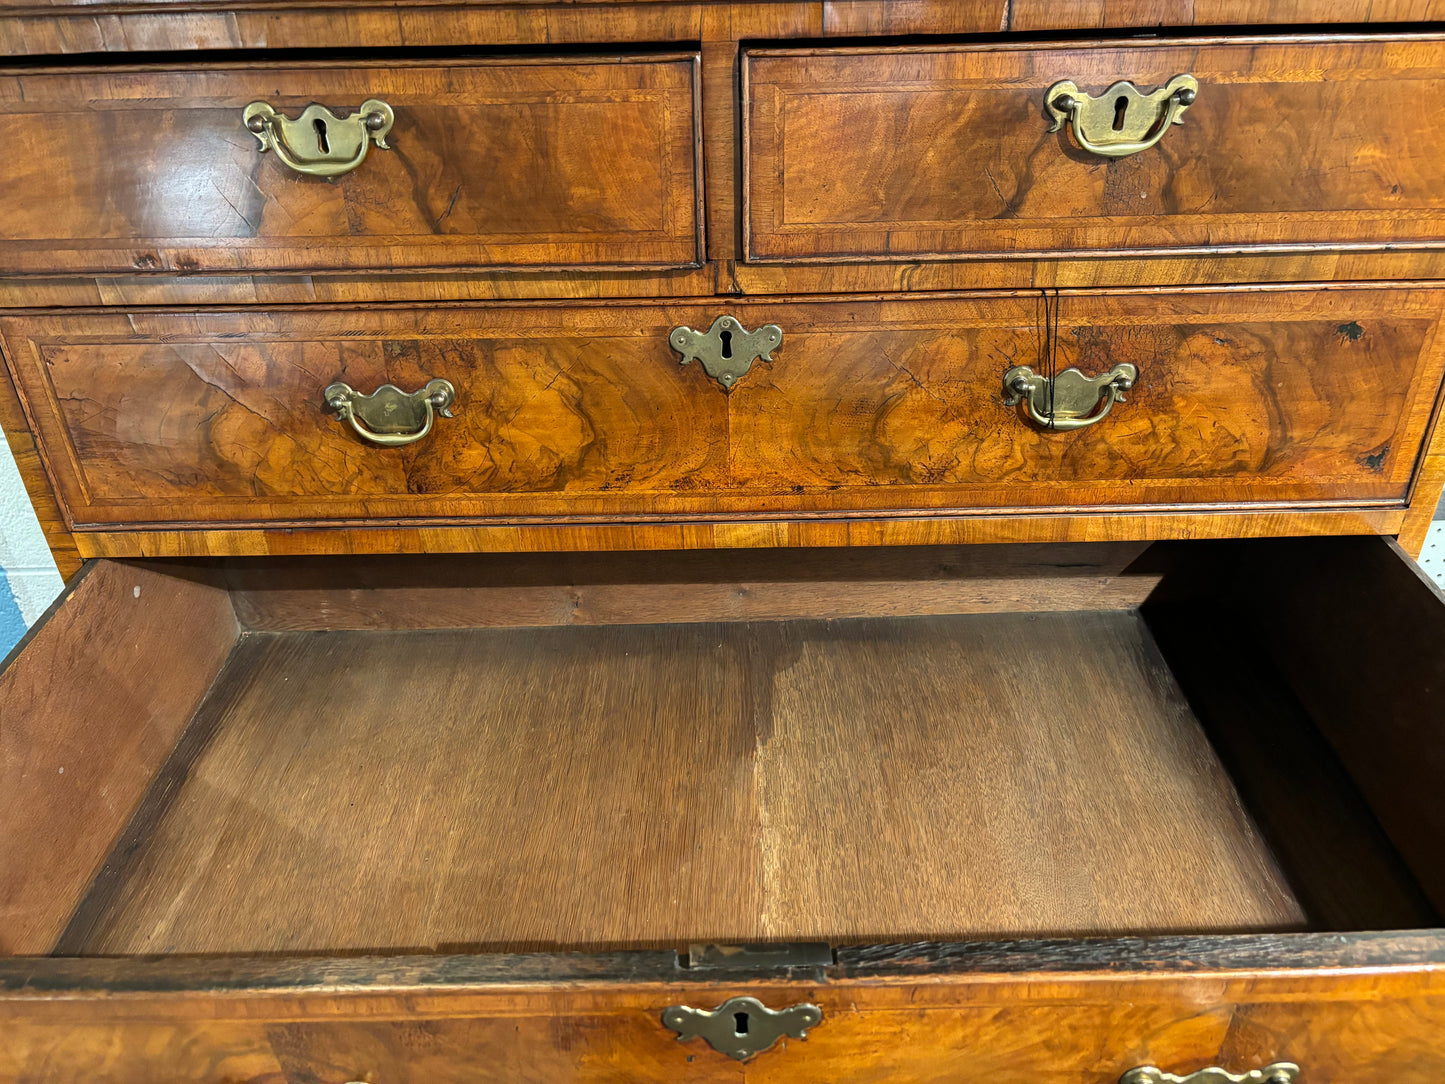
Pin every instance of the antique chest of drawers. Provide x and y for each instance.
(630, 540)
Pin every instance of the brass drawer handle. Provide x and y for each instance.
(318, 142)
(1281, 1072)
(1069, 400)
(1123, 120)
(741, 1026)
(389, 416)
(726, 349)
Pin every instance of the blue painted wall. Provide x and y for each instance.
(28, 579)
(12, 625)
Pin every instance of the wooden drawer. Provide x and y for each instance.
(568, 413)
(578, 162)
(463, 765)
(944, 152)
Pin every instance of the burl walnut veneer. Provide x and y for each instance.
(513, 460)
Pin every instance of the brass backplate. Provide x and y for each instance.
(1281, 1072)
(727, 349)
(1123, 120)
(741, 1026)
(389, 416)
(1068, 400)
(318, 143)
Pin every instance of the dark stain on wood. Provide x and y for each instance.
(707, 782)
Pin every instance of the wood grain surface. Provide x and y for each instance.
(634, 785)
(725, 278)
(1429, 485)
(584, 161)
(898, 731)
(1356, 1009)
(35, 27)
(1363, 658)
(505, 590)
(1297, 790)
(1076, 525)
(571, 413)
(1026, 15)
(1291, 143)
(90, 708)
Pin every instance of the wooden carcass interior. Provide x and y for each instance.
(654, 751)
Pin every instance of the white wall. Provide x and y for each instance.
(1432, 555)
(28, 579)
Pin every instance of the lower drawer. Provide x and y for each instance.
(579, 413)
(1033, 814)
(1089, 1014)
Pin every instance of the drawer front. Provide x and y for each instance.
(583, 162)
(943, 153)
(1341, 1028)
(1241, 397)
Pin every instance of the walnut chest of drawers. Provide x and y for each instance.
(629, 540)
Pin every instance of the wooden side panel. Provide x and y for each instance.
(1357, 627)
(1290, 144)
(90, 707)
(1293, 784)
(1345, 1025)
(1429, 485)
(576, 162)
(869, 407)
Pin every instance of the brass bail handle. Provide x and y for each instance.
(1123, 120)
(318, 143)
(1281, 1072)
(1069, 400)
(389, 416)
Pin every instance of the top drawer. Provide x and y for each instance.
(945, 153)
(582, 162)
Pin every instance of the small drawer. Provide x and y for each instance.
(1242, 398)
(938, 153)
(1042, 813)
(578, 162)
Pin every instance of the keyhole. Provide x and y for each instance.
(1121, 106)
(727, 352)
(740, 1019)
(320, 126)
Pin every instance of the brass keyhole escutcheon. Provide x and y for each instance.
(741, 1026)
(727, 349)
